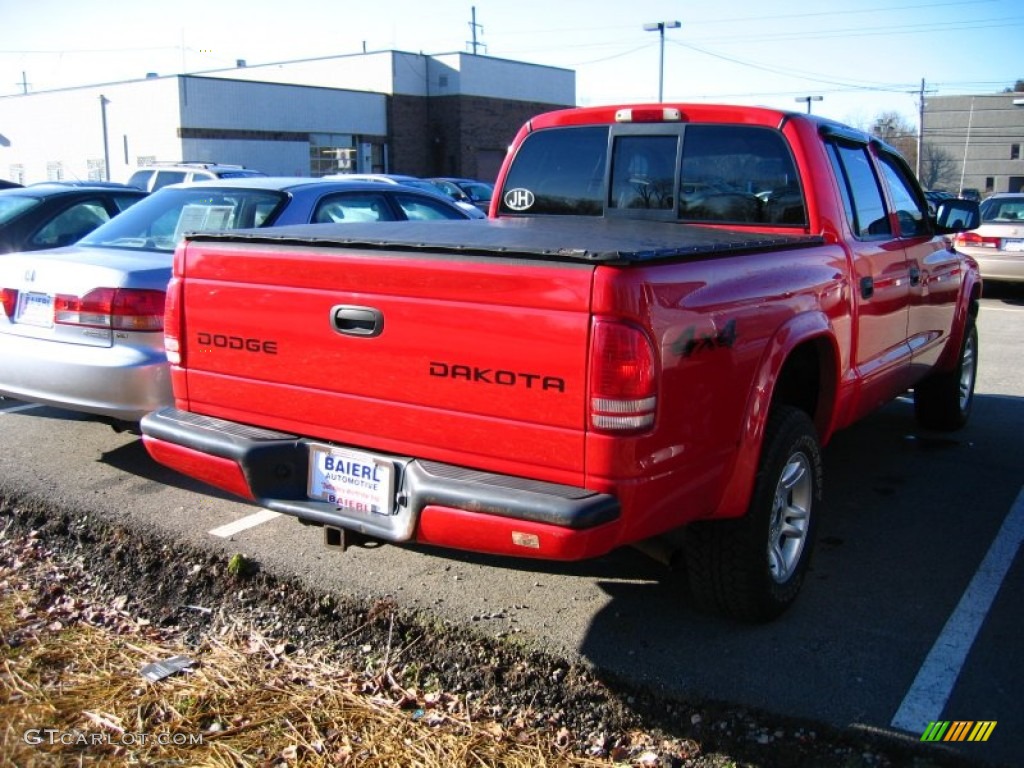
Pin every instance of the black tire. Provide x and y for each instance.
(943, 401)
(752, 568)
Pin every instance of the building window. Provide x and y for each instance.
(331, 153)
(17, 173)
(96, 170)
(990, 183)
(55, 171)
(144, 161)
(1015, 151)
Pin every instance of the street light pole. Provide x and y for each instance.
(809, 99)
(106, 147)
(660, 27)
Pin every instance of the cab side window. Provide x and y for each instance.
(910, 212)
(861, 191)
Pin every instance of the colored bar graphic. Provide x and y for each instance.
(959, 730)
(935, 731)
(982, 730)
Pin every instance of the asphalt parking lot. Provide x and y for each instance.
(912, 613)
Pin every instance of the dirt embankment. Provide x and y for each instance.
(431, 672)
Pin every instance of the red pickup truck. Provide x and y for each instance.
(668, 311)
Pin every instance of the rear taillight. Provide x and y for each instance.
(115, 309)
(172, 323)
(623, 379)
(8, 300)
(974, 240)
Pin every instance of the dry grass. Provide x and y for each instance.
(71, 693)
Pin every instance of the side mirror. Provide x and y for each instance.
(957, 215)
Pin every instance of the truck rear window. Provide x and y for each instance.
(700, 173)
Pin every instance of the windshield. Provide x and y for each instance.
(13, 205)
(158, 222)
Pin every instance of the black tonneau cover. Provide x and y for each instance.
(577, 238)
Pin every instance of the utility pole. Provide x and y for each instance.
(473, 26)
(920, 129)
(24, 84)
(967, 143)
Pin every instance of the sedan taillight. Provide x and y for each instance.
(8, 300)
(974, 240)
(116, 309)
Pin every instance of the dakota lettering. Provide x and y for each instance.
(499, 377)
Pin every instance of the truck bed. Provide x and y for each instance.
(606, 241)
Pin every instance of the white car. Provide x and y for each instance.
(998, 244)
(153, 177)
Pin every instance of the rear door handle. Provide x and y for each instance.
(867, 287)
(364, 322)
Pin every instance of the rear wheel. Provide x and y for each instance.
(943, 401)
(752, 568)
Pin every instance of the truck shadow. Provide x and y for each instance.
(893, 558)
(1011, 294)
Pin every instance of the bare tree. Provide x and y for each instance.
(894, 129)
(938, 167)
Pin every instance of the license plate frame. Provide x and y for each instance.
(356, 481)
(1013, 244)
(34, 309)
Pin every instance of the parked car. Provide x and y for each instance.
(159, 175)
(59, 213)
(478, 193)
(411, 181)
(998, 244)
(5, 184)
(81, 327)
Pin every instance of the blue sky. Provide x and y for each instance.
(862, 57)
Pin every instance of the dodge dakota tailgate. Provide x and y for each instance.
(451, 356)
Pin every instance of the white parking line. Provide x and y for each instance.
(934, 683)
(17, 408)
(249, 521)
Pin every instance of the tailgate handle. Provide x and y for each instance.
(357, 321)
